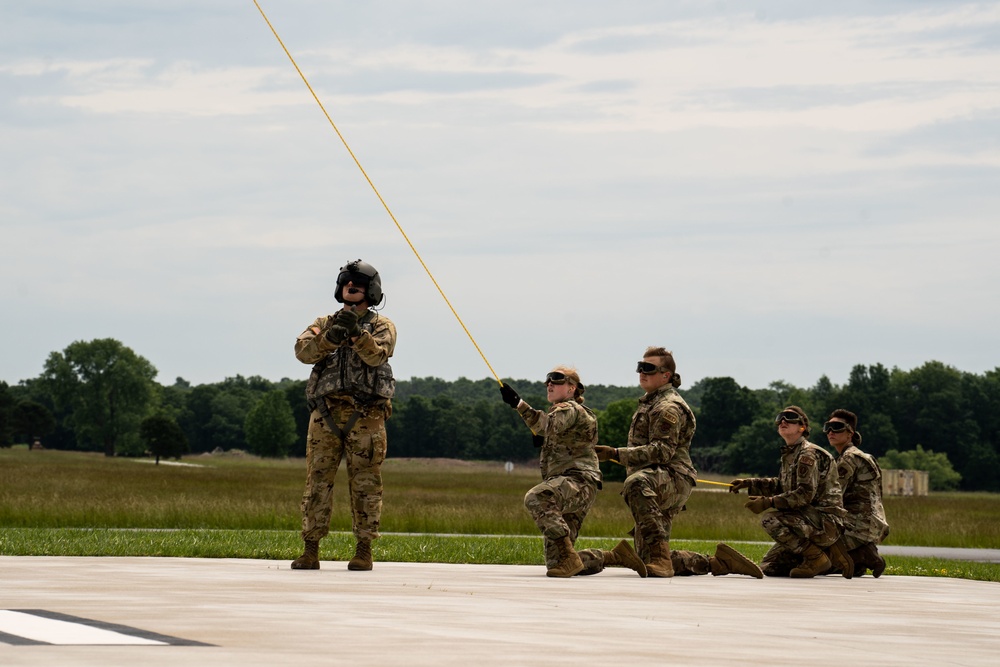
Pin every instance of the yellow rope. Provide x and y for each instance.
(699, 481)
(377, 194)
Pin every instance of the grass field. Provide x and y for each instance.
(70, 503)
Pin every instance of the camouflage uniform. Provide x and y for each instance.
(660, 473)
(571, 474)
(861, 480)
(807, 503)
(352, 384)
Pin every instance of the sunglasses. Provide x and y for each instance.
(555, 377)
(835, 427)
(356, 278)
(788, 416)
(648, 368)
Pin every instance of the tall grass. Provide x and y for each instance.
(247, 507)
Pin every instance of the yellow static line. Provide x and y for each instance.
(377, 194)
(699, 481)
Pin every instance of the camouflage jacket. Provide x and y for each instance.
(861, 480)
(660, 435)
(570, 432)
(808, 482)
(358, 372)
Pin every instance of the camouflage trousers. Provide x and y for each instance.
(655, 497)
(364, 449)
(852, 542)
(792, 532)
(685, 563)
(558, 506)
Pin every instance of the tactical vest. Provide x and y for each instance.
(344, 372)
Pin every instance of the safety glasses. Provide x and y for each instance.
(648, 368)
(555, 377)
(789, 416)
(835, 427)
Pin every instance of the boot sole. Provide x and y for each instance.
(305, 566)
(364, 567)
(745, 562)
(842, 561)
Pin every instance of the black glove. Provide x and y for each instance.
(336, 334)
(349, 320)
(605, 453)
(758, 504)
(737, 484)
(537, 441)
(509, 396)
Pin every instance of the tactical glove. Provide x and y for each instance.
(737, 484)
(758, 504)
(509, 396)
(349, 320)
(336, 334)
(605, 453)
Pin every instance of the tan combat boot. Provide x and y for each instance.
(867, 557)
(362, 556)
(625, 556)
(814, 562)
(659, 564)
(841, 560)
(569, 561)
(309, 560)
(728, 560)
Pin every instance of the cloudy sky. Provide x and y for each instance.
(773, 190)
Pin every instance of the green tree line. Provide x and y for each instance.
(101, 396)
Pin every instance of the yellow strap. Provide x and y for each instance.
(377, 194)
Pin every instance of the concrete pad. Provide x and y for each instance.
(228, 612)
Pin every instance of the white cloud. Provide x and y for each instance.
(713, 181)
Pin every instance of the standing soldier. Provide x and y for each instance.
(808, 515)
(349, 393)
(571, 475)
(861, 480)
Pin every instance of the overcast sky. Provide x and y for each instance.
(772, 190)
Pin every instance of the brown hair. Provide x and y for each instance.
(574, 378)
(851, 420)
(666, 361)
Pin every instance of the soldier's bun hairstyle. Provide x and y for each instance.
(574, 378)
(666, 361)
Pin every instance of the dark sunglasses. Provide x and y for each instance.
(648, 368)
(555, 377)
(356, 278)
(835, 427)
(788, 416)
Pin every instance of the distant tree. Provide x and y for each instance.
(107, 387)
(7, 402)
(32, 420)
(163, 437)
(270, 426)
(755, 449)
(940, 473)
(612, 430)
(295, 394)
(725, 407)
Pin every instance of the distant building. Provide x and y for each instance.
(905, 483)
